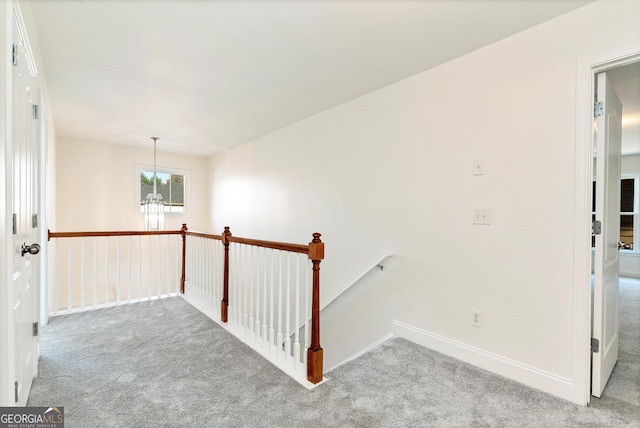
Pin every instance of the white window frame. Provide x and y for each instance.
(636, 217)
(163, 170)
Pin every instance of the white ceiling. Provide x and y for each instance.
(206, 75)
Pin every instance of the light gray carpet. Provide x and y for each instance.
(623, 389)
(164, 364)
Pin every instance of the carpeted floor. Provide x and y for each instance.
(164, 364)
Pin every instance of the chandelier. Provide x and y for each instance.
(153, 204)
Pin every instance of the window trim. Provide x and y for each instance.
(163, 170)
(636, 218)
(636, 212)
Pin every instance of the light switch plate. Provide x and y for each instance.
(478, 167)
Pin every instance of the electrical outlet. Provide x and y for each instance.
(477, 319)
(481, 216)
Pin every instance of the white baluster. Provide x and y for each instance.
(106, 270)
(140, 269)
(178, 265)
(256, 326)
(246, 288)
(118, 270)
(287, 335)
(250, 283)
(158, 271)
(195, 281)
(265, 338)
(168, 265)
(69, 276)
(279, 341)
(206, 267)
(149, 279)
(307, 315)
(56, 282)
(197, 263)
(233, 286)
(211, 255)
(95, 271)
(216, 272)
(271, 308)
(296, 341)
(238, 270)
(189, 250)
(241, 300)
(82, 297)
(129, 269)
(204, 287)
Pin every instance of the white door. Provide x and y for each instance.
(607, 258)
(26, 219)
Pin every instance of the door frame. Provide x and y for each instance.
(585, 146)
(6, 320)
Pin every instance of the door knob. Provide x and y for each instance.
(625, 246)
(31, 249)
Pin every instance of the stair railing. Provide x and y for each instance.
(264, 292)
(261, 291)
(100, 269)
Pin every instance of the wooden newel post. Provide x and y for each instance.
(225, 279)
(183, 231)
(314, 353)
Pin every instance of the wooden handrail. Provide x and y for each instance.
(204, 235)
(294, 248)
(111, 233)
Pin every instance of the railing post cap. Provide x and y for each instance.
(226, 234)
(316, 248)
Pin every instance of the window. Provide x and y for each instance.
(171, 184)
(628, 211)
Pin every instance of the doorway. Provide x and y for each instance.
(614, 356)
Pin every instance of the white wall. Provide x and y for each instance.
(392, 172)
(96, 185)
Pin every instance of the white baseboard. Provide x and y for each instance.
(365, 350)
(629, 273)
(523, 373)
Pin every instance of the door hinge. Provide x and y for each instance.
(35, 111)
(34, 221)
(15, 223)
(598, 109)
(35, 328)
(595, 345)
(596, 227)
(15, 54)
(17, 397)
